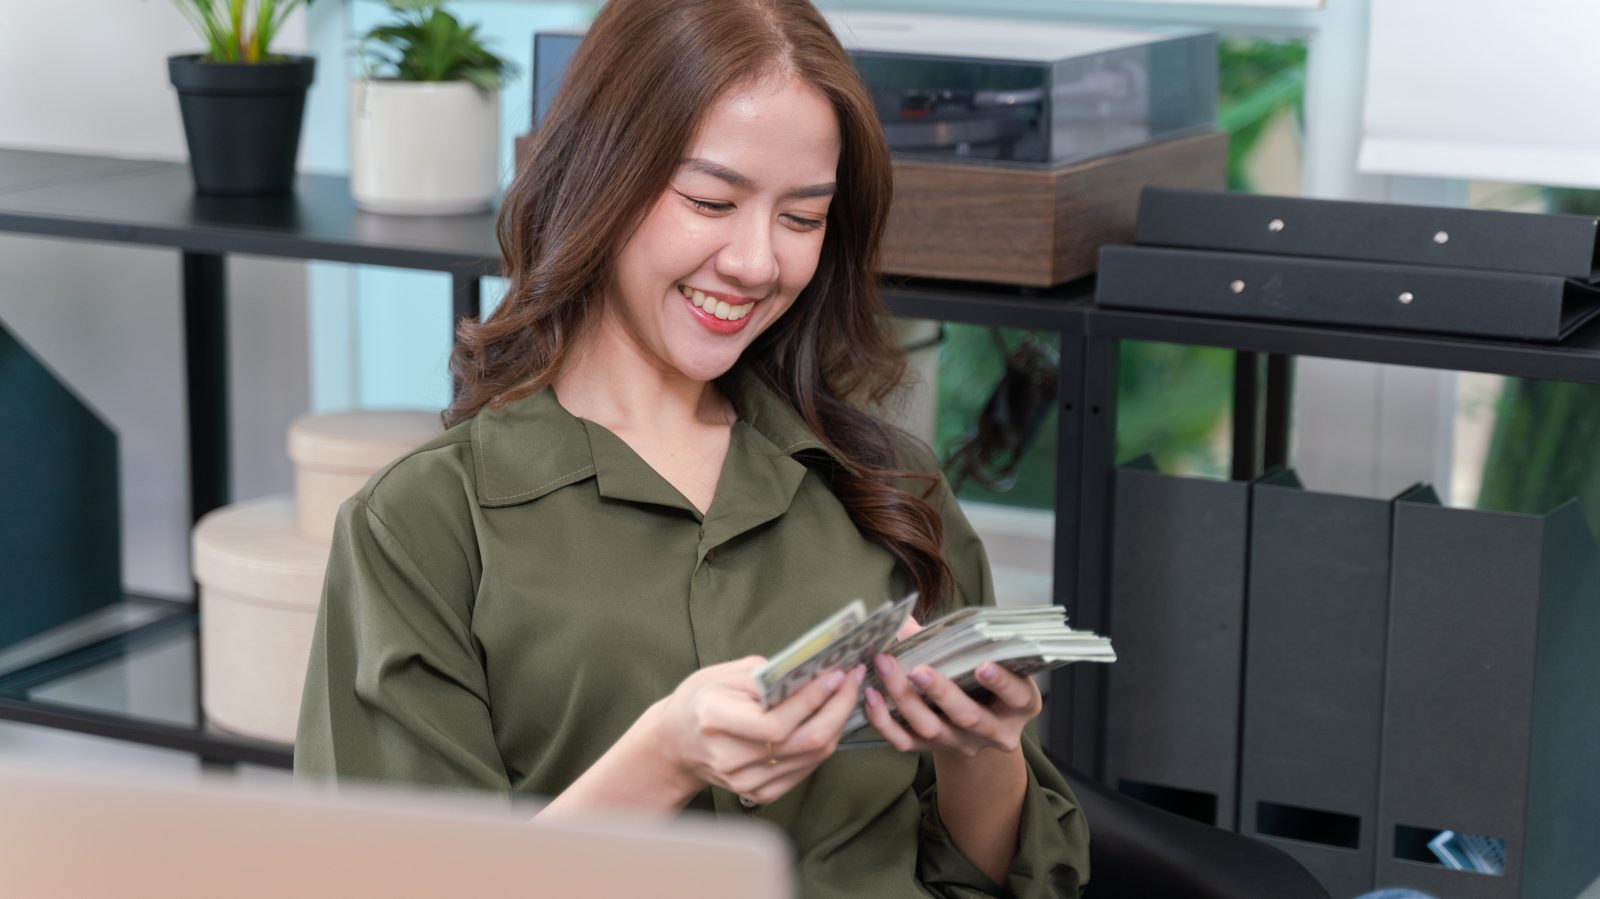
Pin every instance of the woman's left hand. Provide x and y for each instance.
(940, 717)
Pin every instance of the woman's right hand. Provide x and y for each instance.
(717, 733)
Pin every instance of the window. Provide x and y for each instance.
(1173, 401)
(1525, 445)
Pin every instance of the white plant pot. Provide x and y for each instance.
(423, 148)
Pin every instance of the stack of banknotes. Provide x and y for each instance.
(1025, 639)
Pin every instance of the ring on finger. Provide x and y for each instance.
(771, 759)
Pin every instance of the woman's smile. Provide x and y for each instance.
(717, 312)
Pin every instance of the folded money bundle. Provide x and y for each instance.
(1024, 639)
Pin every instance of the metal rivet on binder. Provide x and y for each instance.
(1275, 225)
(1237, 287)
(1441, 237)
(1406, 298)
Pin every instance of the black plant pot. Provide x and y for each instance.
(242, 122)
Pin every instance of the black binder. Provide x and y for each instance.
(1338, 292)
(1566, 246)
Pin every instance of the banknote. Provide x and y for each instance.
(840, 642)
(809, 644)
(1027, 640)
(1470, 852)
(967, 681)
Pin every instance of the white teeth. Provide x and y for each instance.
(713, 306)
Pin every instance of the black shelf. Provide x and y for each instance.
(1064, 310)
(1575, 359)
(209, 746)
(152, 635)
(153, 204)
(29, 169)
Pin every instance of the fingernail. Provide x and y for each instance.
(833, 680)
(873, 699)
(987, 672)
(886, 666)
(922, 677)
(858, 674)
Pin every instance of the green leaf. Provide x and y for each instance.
(433, 45)
(238, 31)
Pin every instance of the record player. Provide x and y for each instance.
(1033, 93)
(1020, 147)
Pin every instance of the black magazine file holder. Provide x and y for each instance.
(1492, 703)
(60, 528)
(1313, 680)
(1177, 620)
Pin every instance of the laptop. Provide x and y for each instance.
(72, 836)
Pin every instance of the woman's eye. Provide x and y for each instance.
(808, 224)
(710, 205)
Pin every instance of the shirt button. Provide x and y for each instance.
(747, 802)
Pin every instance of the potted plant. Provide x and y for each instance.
(425, 115)
(242, 104)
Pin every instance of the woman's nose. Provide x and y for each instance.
(748, 260)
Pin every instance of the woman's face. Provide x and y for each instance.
(736, 236)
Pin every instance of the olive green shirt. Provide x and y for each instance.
(503, 602)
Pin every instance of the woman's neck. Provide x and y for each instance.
(611, 380)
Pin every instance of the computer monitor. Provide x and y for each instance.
(72, 836)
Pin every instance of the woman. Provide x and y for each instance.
(653, 475)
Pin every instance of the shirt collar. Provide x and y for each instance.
(533, 446)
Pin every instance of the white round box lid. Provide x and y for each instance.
(254, 549)
(360, 441)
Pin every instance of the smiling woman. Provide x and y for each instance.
(658, 467)
(737, 236)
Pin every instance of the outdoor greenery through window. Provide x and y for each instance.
(1173, 401)
(1524, 445)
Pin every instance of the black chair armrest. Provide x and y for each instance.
(1137, 850)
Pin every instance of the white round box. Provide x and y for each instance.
(260, 585)
(335, 453)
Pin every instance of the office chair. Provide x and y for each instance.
(1137, 851)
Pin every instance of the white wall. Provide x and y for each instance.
(89, 76)
(382, 337)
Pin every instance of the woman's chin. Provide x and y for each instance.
(706, 369)
(706, 360)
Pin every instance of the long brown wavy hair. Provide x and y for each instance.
(629, 106)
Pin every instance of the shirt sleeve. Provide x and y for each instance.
(395, 686)
(1052, 857)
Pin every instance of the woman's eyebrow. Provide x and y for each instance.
(723, 173)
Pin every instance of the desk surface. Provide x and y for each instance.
(27, 169)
